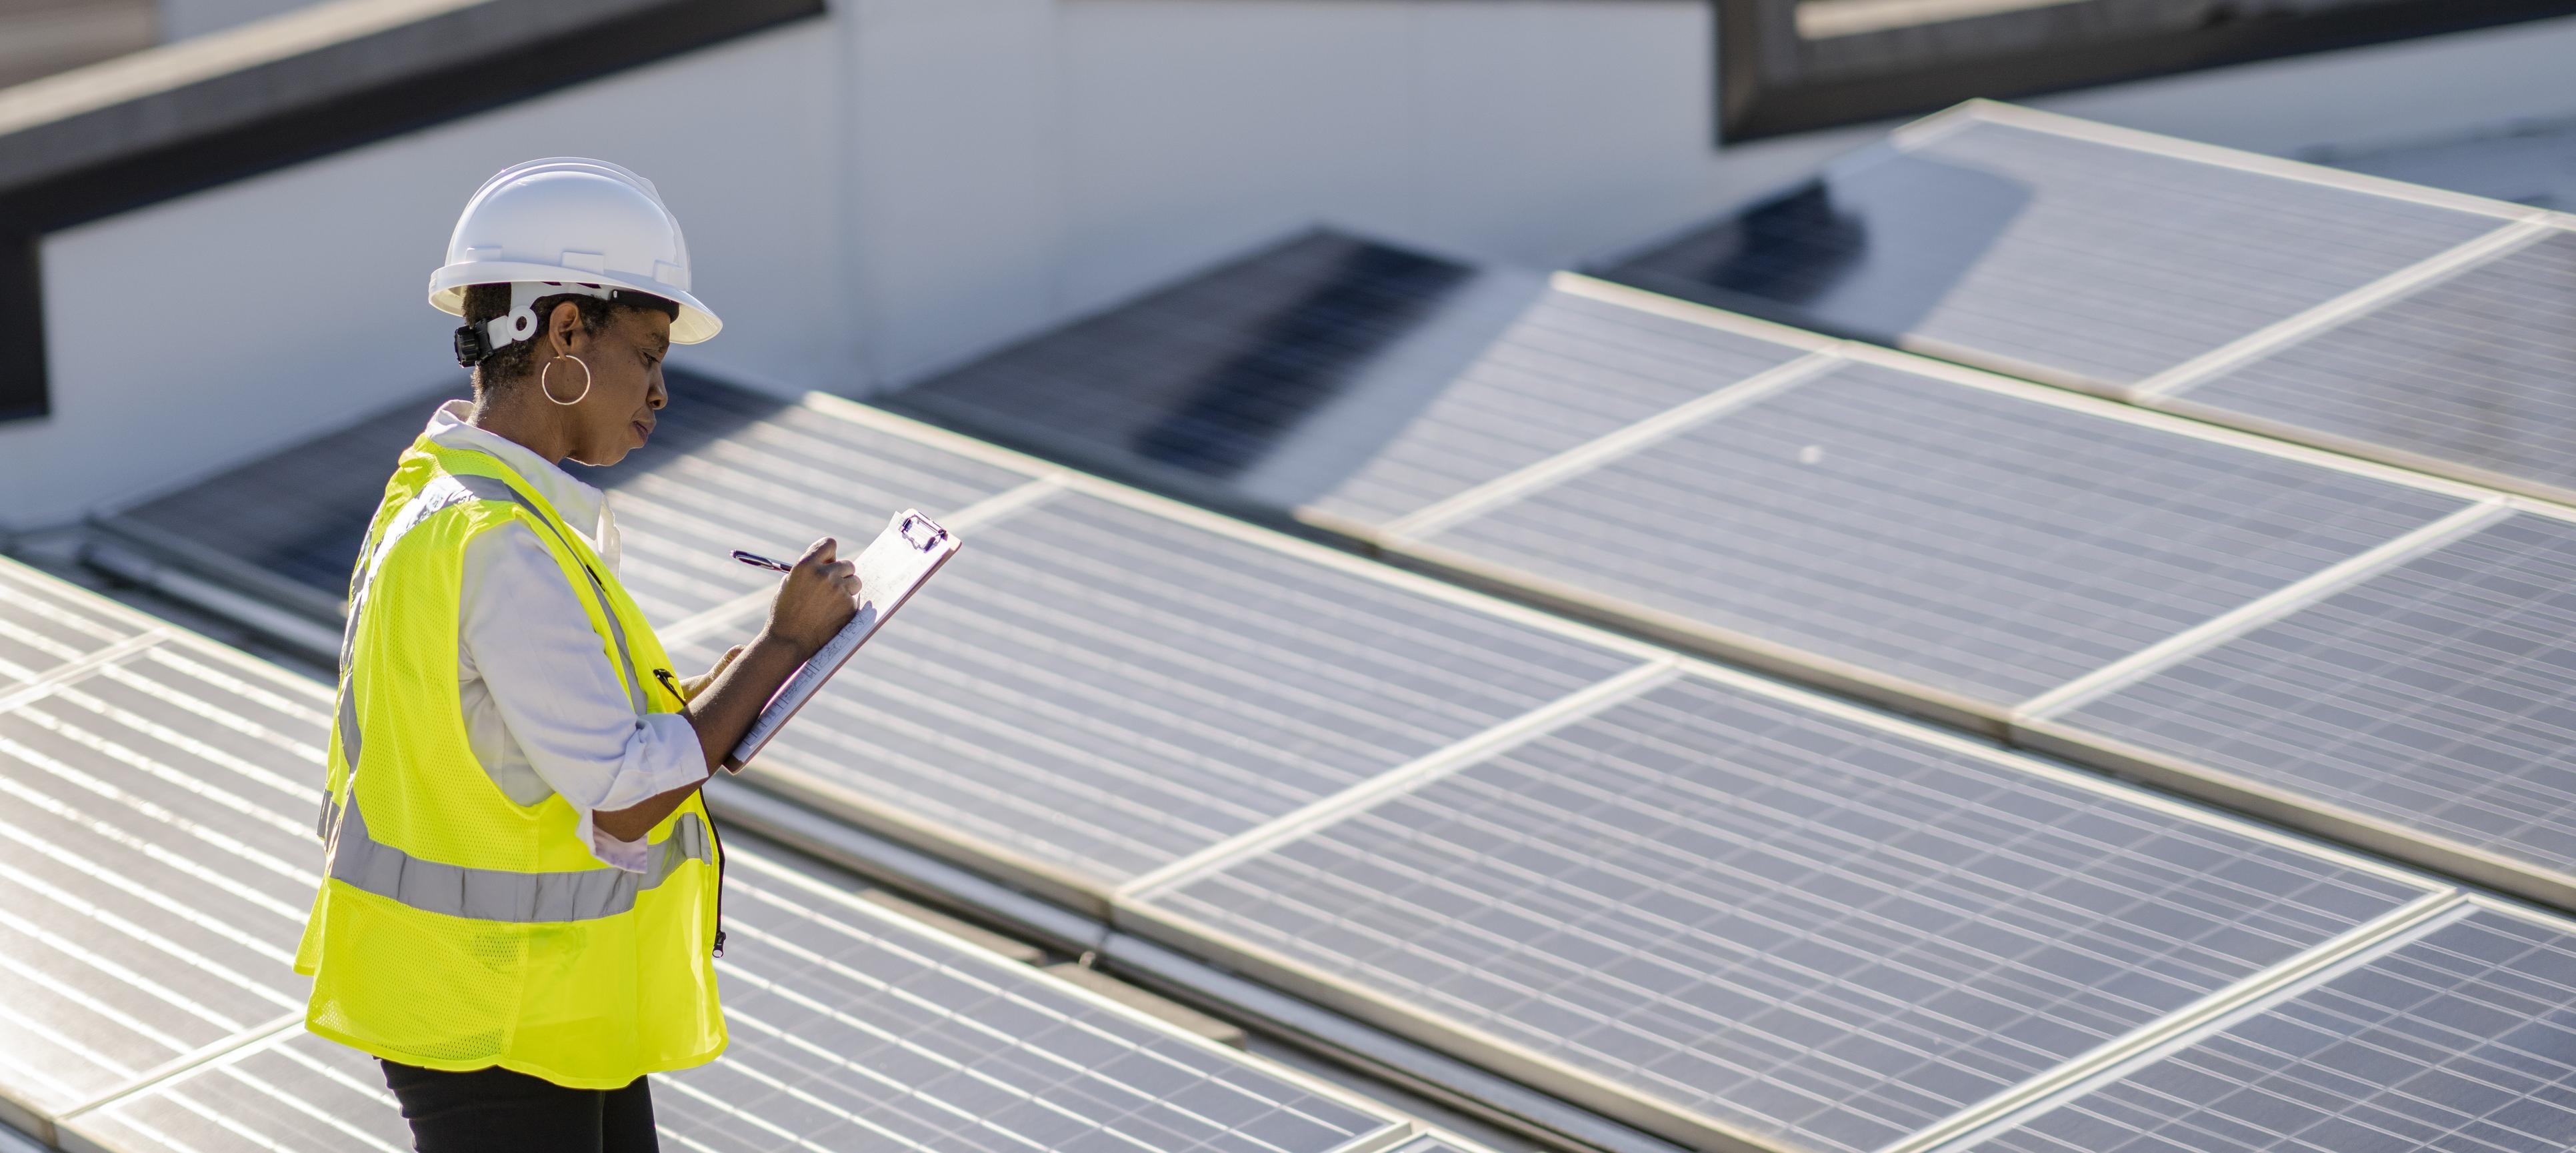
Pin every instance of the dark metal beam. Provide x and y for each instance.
(173, 120)
(1762, 91)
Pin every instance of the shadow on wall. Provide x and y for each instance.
(1862, 258)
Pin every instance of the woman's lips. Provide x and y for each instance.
(643, 431)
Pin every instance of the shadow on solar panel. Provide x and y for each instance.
(1341, 377)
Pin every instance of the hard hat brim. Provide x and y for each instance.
(696, 324)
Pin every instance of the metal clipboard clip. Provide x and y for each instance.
(928, 539)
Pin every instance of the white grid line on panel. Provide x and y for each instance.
(2191, 1022)
(1692, 312)
(1570, 707)
(239, 1043)
(2057, 124)
(2465, 908)
(2148, 418)
(58, 676)
(1601, 450)
(974, 956)
(2501, 242)
(2281, 602)
(1117, 676)
(1193, 924)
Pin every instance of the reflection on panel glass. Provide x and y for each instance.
(1338, 375)
(44, 625)
(2438, 695)
(2459, 1040)
(2027, 251)
(2473, 370)
(158, 851)
(1974, 542)
(1104, 691)
(1797, 923)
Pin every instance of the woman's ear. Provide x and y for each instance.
(563, 328)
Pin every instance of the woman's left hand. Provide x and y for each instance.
(690, 687)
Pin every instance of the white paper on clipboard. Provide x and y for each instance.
(902, 557)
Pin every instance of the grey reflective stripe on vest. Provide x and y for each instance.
(358, 859)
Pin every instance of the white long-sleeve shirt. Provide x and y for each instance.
(539, 692)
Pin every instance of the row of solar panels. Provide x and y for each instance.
(2356, 650)
(157, 844)
(1730, 913)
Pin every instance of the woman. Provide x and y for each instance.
(523, 889)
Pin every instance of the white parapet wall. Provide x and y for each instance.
(905, 184)
(181, 19)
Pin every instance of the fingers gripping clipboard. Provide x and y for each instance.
(901, 558)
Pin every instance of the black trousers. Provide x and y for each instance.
(499, 1111)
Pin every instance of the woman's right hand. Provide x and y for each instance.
(815, 599)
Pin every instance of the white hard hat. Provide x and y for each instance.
(566, 224)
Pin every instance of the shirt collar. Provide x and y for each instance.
(583, 508)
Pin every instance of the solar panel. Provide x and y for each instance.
(1346, 378)
(1967, 544)
(772, 485)
(2437, 696)
(2469, 372)
(851, 1029)
(156, 837)
(1096, 689)
(1723, 908)
(45, 625)
(2459, 1038)
(2024, 248)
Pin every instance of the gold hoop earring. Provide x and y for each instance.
(549, 370)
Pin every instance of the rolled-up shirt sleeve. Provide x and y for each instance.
(551, 699)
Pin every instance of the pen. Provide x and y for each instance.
(756, 560)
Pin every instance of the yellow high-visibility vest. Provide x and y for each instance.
(461, 922)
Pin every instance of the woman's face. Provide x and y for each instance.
(625, 359)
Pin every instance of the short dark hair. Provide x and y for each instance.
(492, 301)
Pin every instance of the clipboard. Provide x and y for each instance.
(894, 565)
